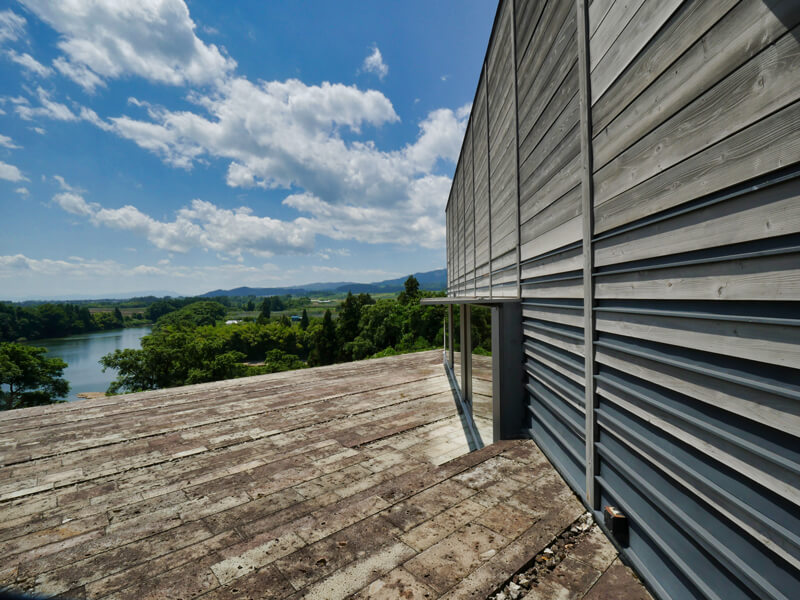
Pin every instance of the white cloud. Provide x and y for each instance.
(74, 203)
(276, 134)
(12, 265)
(441, 135)
(374, 64)
(11, 173)
(12, 26)
(80, 74)
(7, 142)
(76, 275)
(326, 253)
(312, 140)
(62, 183)
(153, 39)
(26, 61)
(22, 191)
(353, 274)
(87, 114)
(201, 225)
(48, 109)
(290, 135)
(415, 220)
(57, 111)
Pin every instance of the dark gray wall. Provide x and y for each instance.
(676, 127)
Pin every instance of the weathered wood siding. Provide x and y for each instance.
(690, 164)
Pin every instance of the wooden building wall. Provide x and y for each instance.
(662, 334)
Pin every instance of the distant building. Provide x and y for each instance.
(295, 318)
(232, 321)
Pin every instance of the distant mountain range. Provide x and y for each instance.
(430, 280)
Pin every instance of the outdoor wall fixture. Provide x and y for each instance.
(617, 524)
(508, 390)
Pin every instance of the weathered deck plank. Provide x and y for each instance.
(352, 479)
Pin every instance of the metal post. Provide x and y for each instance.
(587, 208)
(466, 355)
(450, 337)
(508, 390)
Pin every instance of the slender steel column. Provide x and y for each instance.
(587, 203)
(508, 385)
(466, 354)
(450, 337)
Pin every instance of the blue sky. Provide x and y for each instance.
(160, 145)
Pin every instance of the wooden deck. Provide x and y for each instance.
(349, 480)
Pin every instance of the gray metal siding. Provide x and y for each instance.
(550, 223)
(691, 162)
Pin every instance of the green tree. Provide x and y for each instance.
(196, 314)
(250, 306)
(276, 303)
(304, 320)
(158, 309)
(32, 378)
(381, 324)
(348, 324)
(54, 320)
(263, 316)
(349, 315)
(325, 343)
(104, 321)
(411, 293)
(137, 370)
(118, 319)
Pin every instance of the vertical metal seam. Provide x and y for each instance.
(516, 142)
(488, 166)
(466, 355)
(587, 194)
(464, 221)
(474, 207)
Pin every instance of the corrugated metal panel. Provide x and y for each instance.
(696, 281)
(551, 280)
(500, 90)
(693, 159)
(469, 215)
(480, 151)
(698, 388)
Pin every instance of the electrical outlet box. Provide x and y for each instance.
(617, 525)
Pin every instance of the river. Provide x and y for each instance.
(83, 351)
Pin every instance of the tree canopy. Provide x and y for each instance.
(263, 316)
(411, 292)
(30, 377)
(186, 349)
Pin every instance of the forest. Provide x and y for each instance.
(198, 340)
(48, 320)
(26, 321)
(192, 345)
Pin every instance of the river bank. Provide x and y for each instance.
(82, 353)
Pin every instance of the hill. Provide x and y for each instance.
(430, 280)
